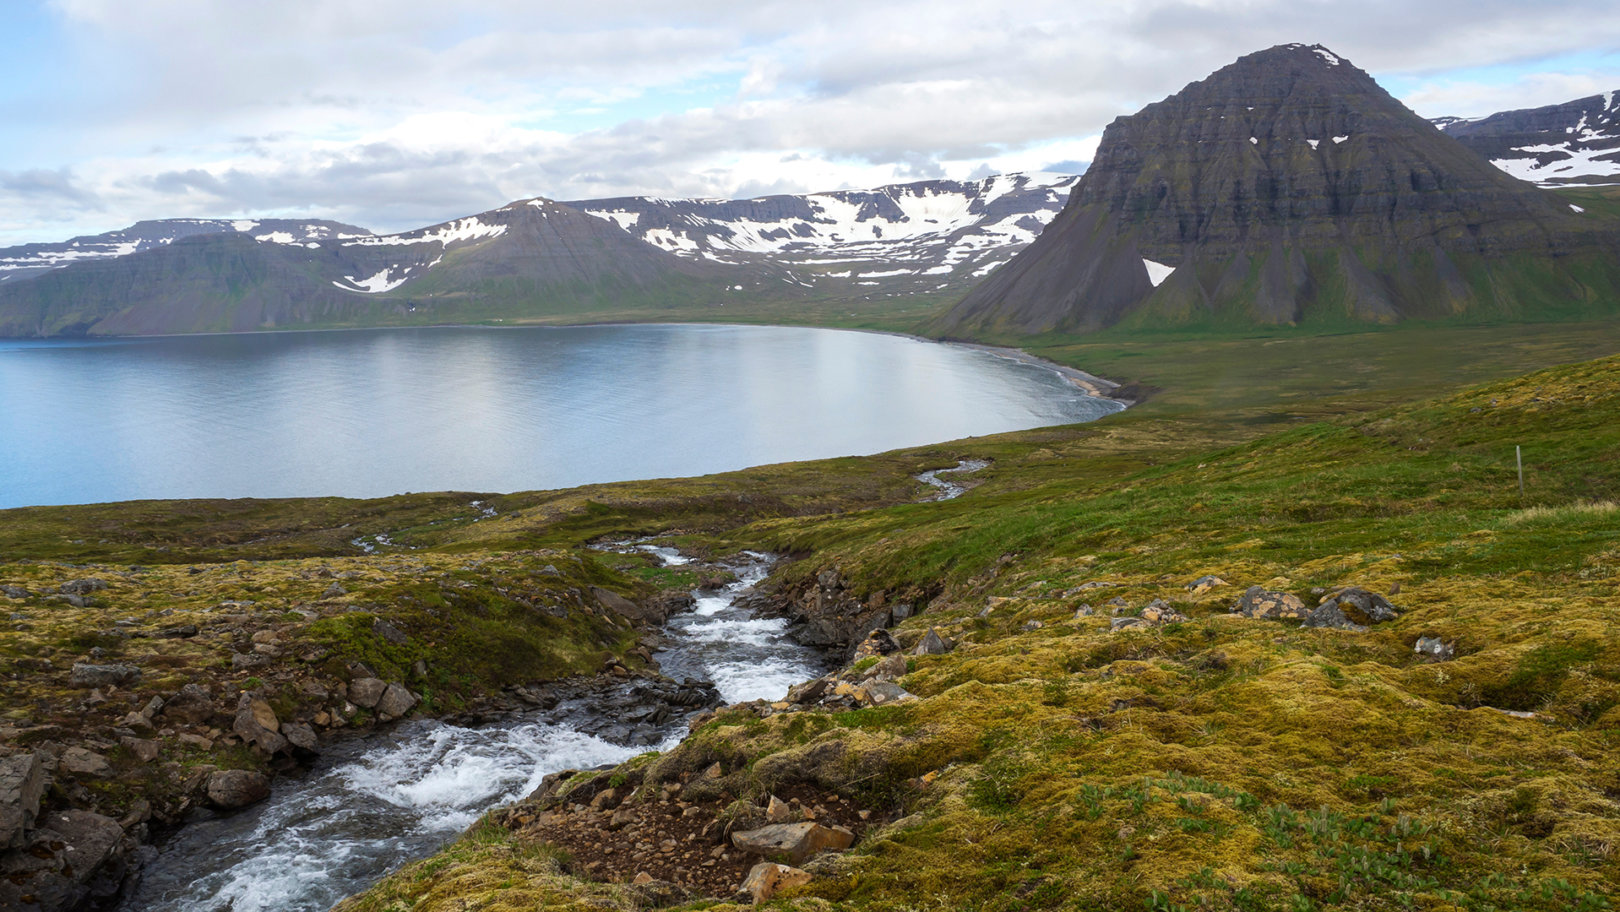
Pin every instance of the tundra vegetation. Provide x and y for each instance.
(1068, 751)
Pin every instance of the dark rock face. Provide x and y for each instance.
(74, 858)
(1285, 187)
(1574, 143)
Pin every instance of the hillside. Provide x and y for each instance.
(1289, 188)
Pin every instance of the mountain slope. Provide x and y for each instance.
(1576, 143)
(527, 259)
(922, 236)
(1288, 187)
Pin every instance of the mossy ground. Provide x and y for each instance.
(1217, 763)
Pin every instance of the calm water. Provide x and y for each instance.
(378, 412)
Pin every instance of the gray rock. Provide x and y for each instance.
(395, 701)
(888, 669)
(180, 632)
(1435, 649)
(808, 691)
(882, 693)
(23, 781)
(797, 841)
(75, 859)
(1351, 609)
(931, 644)
(143, 749)
(87, 675)
(1260, 602)
(335, 590)
(300, 736)
(83, 586)
(82, 762)
(901, 611)
(365, 692)
(257, 724)
(1032, 625)
(15, 592)
(248, 661)
(232, 789)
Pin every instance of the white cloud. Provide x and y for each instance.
(398, 114)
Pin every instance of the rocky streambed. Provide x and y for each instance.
(371, 804)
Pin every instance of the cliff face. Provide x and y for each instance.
(1285, 187)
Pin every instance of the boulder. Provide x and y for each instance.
(300, 736)
(808, 691)
(778, 811)
(1260, 602)
(335, 590)
(931, 644)
(651, 613)
(76, 859)
(23, 781)
(232, 789)
(1159, 611)
(890, 668)
(365, 692)
(142, 749)
(389, 632)
(877, 643)
(881, 693)
(767, 878)
(179, 632)
(82, 762)
(1351, 609)
(797, 841)
(248, 661)
(1203, 584)
(257, 724)
(16, 592)
(85, 674)
(395, 701)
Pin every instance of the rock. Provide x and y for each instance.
(193, 704)
(768, 877)
(143, 749)
(248, 661)
(642, 878)
(232, 789)
(1084, 611)
(395, 701)
(333, 591)
(881, 693)
(1260, 602)
(1351, 609)
(901, 611)
(261, 637)
(890, 668)
(1159, 611)
(808, 691)
(23, 781)
(715, 771)
(778, 811)
(931, 644)
(300, 736)
(75, 859)
(389, 632)
(257, 724)
(877, 643)
(651, 613)
(83, 586)
(1120, 623)
(180, 632)
(797, 841)
(85, 674)
(15, 592)
(1203, 584)
(81, 762)
(366, 692)
(1032, 625)
(1435, 649)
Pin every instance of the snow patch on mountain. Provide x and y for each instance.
(470, 228)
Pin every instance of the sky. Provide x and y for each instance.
(393, 114)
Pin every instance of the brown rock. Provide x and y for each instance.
(144, 749)
(797, 841)
(767, 878)
(192, 704)
(778, 811)
(256, 723)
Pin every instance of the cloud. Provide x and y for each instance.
(49, 188)
(399, 115)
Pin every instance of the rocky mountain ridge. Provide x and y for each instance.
(1573, 144)
(1289, 187)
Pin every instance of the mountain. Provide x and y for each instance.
(903, 238)
(1576, 143)
(530, 259)
(1289, 187)
(527, 258)
(33, 258)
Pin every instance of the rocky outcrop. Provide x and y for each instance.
(1285, 187)
(1573, 143)
(1351, 609)
(23, 781)
(72, 858)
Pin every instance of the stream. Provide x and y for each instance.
(374, 804)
